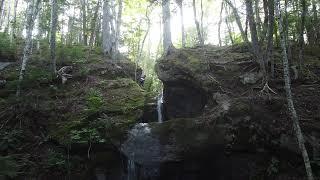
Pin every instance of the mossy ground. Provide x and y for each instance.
(100, 101)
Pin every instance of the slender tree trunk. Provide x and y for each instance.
(228, 25)
(14, 22)
(1, 12)
(258, 19)
(254, 37)
(6, 29)
(291, 108)
(118, 30)
(316, 23)
(32, 12)
(106, 34)
(53, 30)
(265, 21)
(93, 24)
(84, 22)
(238, 21)
(183, 36)
(167, 42)
(197, 23)
(269, 55)
(219, 25)
(301, 31)
(201, 21)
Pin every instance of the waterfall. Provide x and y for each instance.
(159, 107)
(131, 168)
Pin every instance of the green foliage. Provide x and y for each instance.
(56, 160)
(70, 53)
(7, 49)
(85, 135)
(94, 101)
(8, 166)
(273, 166)
(10, 140)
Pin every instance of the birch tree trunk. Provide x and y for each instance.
(254, 37)
(200, 39)
(53, 30)
(219, 25)
(238, 21)
(32, 12)
(167, 42)
(291, 108)
(6, 29)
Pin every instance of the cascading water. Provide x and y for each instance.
(159, 107)
(131, 168)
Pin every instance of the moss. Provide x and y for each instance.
(122, 95)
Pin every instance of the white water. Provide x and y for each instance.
(131, 168)
(159, 107)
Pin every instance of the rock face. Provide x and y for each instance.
(217, 117)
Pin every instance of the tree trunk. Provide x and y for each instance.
(201, 21)
(254, 37)
(84, 22)
(219, 25)
(291, 108)
(316, 23)
(14, 21)
(106, 34)
(93, 24)
(238, 21)
(301, 31)
(118, 31)
(258, 19)
(183, 36)
(6, 29)
(197, 23)
(167, 42)
(32, 12)
(1, 12)
(269, 55)
(53, 30)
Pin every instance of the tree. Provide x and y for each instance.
(269, 57)
(301, 33)
(93, 24)
(200, 38)
(291, 108)
(84, 21)
(14, 21)
(219, 24)
(167, 42)
(183, 36)
(118, 25)
(238, 21)
(254, 37)
(106, 34)
(53, 30)
(32, 12)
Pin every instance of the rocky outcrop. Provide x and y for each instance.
(217, 111)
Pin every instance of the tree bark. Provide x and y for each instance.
(53, 30)
(269, 56)
(301, 33)
(106, 33)
(254, 37)
(291, 108)
(238, 21)
(32, 12)
(14, 21)
(1, 12)
(93, 24)
(118, 30)
(167, 42)
(200, 39)
(183, 37)
(219, 25)
(84, 22)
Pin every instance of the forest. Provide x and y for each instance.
(160, 89)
